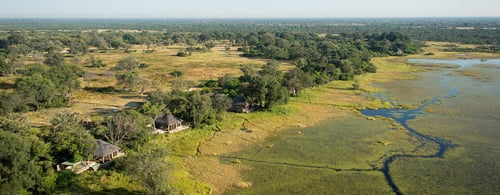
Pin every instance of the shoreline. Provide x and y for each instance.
(315, 106)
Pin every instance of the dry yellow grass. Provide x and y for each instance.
(197, 67)
(437, 48)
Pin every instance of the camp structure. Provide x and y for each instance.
(169, 124)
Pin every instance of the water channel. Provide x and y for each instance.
(466, 124)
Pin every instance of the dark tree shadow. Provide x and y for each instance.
(134, 104)
(109, 89)
(6, 86)
(105, 111)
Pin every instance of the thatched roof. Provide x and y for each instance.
(104, 149)
(168, 119)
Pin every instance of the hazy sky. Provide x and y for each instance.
(246, 8)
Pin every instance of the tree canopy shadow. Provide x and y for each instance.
(5, 86)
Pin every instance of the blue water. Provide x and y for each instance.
(402, 116)
(460, 63)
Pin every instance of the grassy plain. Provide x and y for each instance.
(198, 155)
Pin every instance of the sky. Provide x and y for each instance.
(247, 8)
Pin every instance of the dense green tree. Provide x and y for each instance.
(266, 88)
(14, 65)
(296, 80)
(16, 123)
(70, 140)
(230, 85)
(54, 59)
(11, 102)
(78, 47)
(4, 67)
(18, 50)
(192, 107)
(199, 110)
(18, 164)
(177, 102)
(24, 161)
(150, 166)
(221, 103)
(128, 80)
(127, 128)
(65, 79)
(17, 38)
(36, 90)
(153, 110)
(210, 45)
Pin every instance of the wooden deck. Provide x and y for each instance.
(178, 129)
(83, 166)
(181, 128)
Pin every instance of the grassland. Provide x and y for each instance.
(316, 105)
(196, 154)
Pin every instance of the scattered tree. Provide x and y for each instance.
(128, 63)
(97, 63)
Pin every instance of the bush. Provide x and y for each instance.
(355, 86)
(97, 63)
(177, 73)
(183, 54)
(143, 65)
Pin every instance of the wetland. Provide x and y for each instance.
(445, 143)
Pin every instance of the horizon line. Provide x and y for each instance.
(245, 18)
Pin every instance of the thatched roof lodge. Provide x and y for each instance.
(106, 152)
(169, 124)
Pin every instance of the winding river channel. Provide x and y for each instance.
(458, 140)
(402, 116)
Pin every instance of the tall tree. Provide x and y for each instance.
(153, 110)
(69, 139)
(54, 59)
(267, 88)
(126, 128)
(66, 79)
(18, 166)
(296, 80)
(16, 123)
(128, 80)
(119, 128)
(24, 160)
(200, 109)
(150, 166)
(36, 90)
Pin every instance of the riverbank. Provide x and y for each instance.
(210, 161)
(314, 106)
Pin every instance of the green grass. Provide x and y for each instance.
(353, 142)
